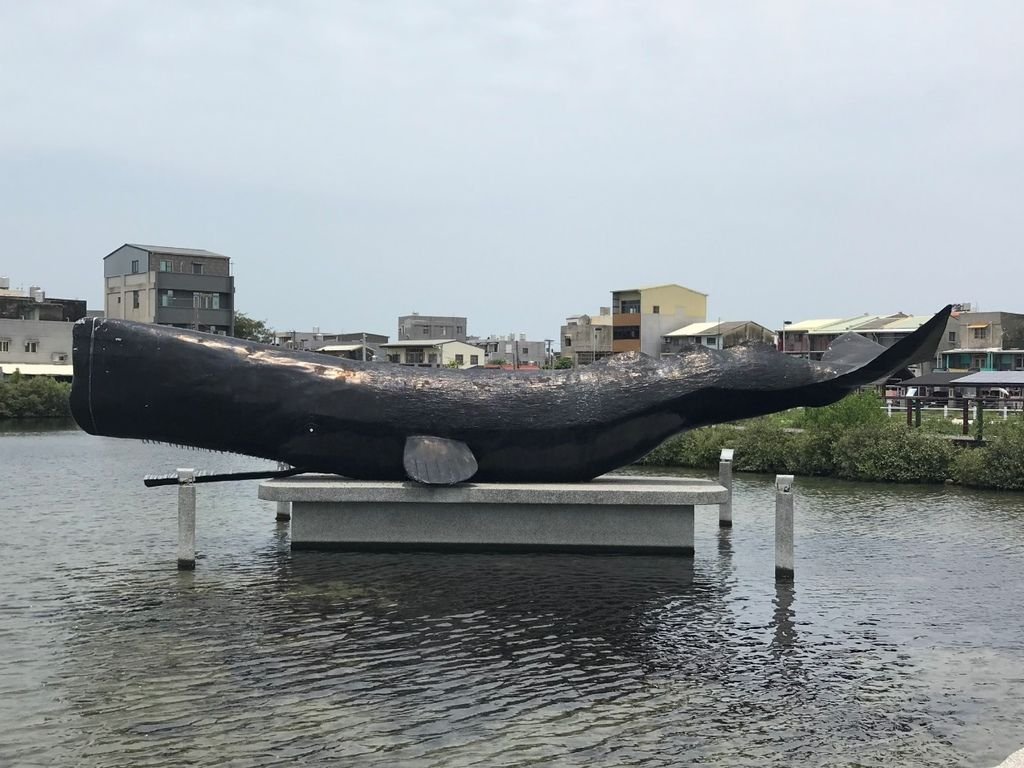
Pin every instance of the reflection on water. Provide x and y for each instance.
(896, 645)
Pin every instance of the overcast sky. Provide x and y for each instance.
(516, 161)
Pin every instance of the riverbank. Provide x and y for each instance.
(853, 440)
(34, 397)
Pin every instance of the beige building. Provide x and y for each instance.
(434, 353)
(642, 317)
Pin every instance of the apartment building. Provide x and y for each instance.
(181, 287)
(641, 317)
(984, 341)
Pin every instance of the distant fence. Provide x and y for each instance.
(961, 410)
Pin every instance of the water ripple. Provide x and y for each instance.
(899, 643)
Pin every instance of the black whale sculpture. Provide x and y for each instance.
(389, 422)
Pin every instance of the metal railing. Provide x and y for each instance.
(959, 410)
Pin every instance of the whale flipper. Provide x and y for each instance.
(437, 460)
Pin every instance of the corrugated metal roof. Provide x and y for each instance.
(171, 251)
(810, 325)
(911, 323)
(934, 379)
(693, 329)
(37, 369)
(991, 379)
(709, 329)
(863, 322)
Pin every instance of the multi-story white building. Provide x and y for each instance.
(35, 332)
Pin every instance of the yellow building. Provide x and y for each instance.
(642, 316)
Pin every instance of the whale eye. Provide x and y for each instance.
(310, 428)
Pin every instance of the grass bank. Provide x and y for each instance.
(34, 397)
(854, 440)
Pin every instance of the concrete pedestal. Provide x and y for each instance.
(610, 514)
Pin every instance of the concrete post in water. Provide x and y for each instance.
(725, 480)
(186, 519)
(284, 508)
(784, 527)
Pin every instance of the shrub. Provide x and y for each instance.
(854, 410)
(999, 465)
(23, 397)
(699, 448)
(893, 452)
(763, 446)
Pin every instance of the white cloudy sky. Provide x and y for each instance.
(515, 161)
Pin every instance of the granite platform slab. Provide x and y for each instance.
(613, 513)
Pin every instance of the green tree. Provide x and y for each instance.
(252, 330)
(563, 362)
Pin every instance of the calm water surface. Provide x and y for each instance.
(902, 642)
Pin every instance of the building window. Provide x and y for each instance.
(1018, 360)
(433, 357)
(952, 336)
(31, 346)
(167, 298)
(5, 345)
(414, 356)
(426, 331)
(474, 359)
(459, 359)
(631, 307)
(444, 331)
(197, 267)
(568, 341)
(710, 341)
(981, 333)
(118, 299)
(524, 351)
(135, 266)
(166, 265)
(394, 358)
(620, 332)
(135, 299)
(656, 309)
(458, 329)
